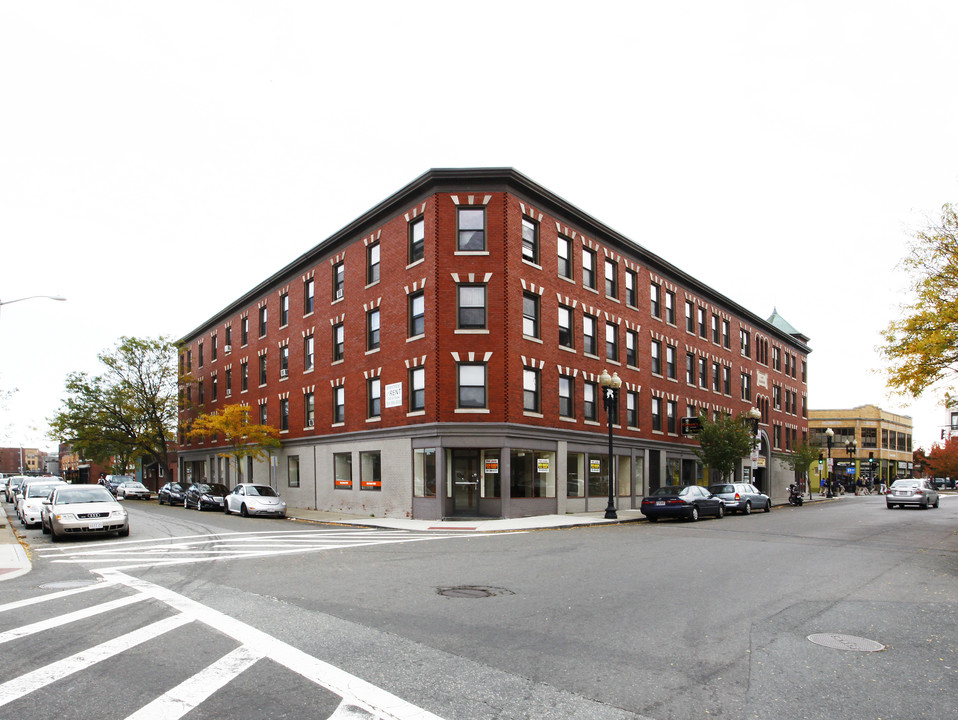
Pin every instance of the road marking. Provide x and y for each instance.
(53, 596)
(192, 692)
(25, 684)
(36, 627)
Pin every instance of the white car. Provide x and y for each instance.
(31, 499)
(133, 490)
(252, 499)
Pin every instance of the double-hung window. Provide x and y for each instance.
(530, 315)
(309, 352)
(417, 314)
(611, 278)
(262, 370)
(472, 385)
(631, 348)
(611, 342)
(565, 327)
(339, 404)
(284, 414)
(339, 341)
(244, 376)
(372, 330)
(244, 331)
(530, 241)
(309, 296)
(690, 368)
(566, 394)
(655, 294)
(656, 414)
(417, 392)
(262, 321)
(670, 370)
(373, 394)
(530, 390)
(309, 409)
(670, 307)
(372, 264)
(564, 250)
(284, 309)
(631, 282)
(472, 229)
(472, 307)
(655, 355)
(590, 404)
(588, 268)
(284, 361)
(417, 240)
(339, 280)
(588, 334)
(632, 408)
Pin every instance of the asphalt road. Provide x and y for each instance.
(668, 621)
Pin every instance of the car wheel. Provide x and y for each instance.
(243, 511)
(226, 506)
(924, 506)
(768, 506)
(721, 512)
(186, 503)
(889, 506)
(935, 505)
(694, 515)
(652, 518)
(748, 508)
(53, 534)
(125, 532)
(44, 529)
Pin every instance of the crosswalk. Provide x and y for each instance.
(344, 696)
(216, 547)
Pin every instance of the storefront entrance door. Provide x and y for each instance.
(466, 472)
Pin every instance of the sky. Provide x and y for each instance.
(160, 159)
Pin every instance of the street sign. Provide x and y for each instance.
(691, 425)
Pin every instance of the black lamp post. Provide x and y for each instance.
(829, 434)
(754, 415)
(610, 399)
(850, 448)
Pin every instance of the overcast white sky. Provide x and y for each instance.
(159, 159)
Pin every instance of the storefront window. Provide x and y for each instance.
(292, 471)
(533, 474)
(598, 475)
(491, 483)
(369, 471)
(673, 471)
(343, 471)
(639, 475)
(623, 475)
(424, 472)
(575, 475)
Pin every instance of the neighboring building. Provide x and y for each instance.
(951, 428)
(21, 460)
(76, 469)
(441, 356)
(869, 442)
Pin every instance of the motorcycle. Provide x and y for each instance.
(795, 496)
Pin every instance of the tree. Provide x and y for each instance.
(942, 461)
(127, 412)
(724, 441)
(231, 423)
(922, 347)
(802, 458)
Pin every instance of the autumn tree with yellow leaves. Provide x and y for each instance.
(243, 438)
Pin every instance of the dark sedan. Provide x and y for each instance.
(172, 494)
(682, 501)
(205, 496)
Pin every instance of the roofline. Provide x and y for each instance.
(506, 178)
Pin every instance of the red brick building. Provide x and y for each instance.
(441, 355)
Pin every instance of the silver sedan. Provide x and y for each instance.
(918, 492)
(76, 510)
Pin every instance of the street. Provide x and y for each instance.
(215, 616)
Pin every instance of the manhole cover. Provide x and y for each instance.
(472, 591)
(837, 641)
(68, 584)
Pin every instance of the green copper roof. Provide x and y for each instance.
(782, 324)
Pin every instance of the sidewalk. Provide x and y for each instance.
(13, 556)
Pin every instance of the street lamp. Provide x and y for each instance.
(829, 434)
(754, 415)
(850, 448)
(610, 400)
(31, 297)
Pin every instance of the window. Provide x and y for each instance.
(284, 361)
(284, 309)
(631, 283)
(244, 376)
(530, 315)
(611, 278)
(588, 334)
(632, 408)
(373, 406)
(262, 321)
(472, 307)
(372, 330)
(588, 268)
(424, 472)
(670, 370)
(716, 336)
(342, 471)
(213, 388)
(214, 346)
(703, 373)
(201, 354)
(309, 409)
(262, 370)
(672, 412)
(590, 392)
(292, 471)
(655, 294)
(309, 296)
(530, 390)
(370, 477)
(746, 386)
(689, 316)
(417, 240)
(612, 342)
(777, 397)
(564, 250)
(656, 415)
(417, 314)
(566, 393)
(472, 229)
(690, 368)
(244, 331)
(339, 404)
(284, 414)
(565, 326)
(309, 346)
(263, 414)
(745, 339)
(726, 379)
(670, 307)
(726, 335)
(200, 397)
(229, 339)
(631, 348)
(339, 278)
(530, 241)
(702, 328)
(472, 385)
(417, 389)
(716, 377)
(655, 352)
(339, 341)
(229, 382)
(372, 264)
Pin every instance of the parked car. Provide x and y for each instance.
(172, 494)
(83, 510)
(252, 499)
(918, 492)
(682, 501)
(111, 482)
(12, 486)
(741, 497)
(205, 495)
(136, 490)
(32, 494)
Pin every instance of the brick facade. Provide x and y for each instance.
(501, 199)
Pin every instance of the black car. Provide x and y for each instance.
(172, 494)
(682, 501)
(205, 496)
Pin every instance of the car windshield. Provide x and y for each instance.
(716, 489)
(216, 489)
(121, 478)
(134, 486)
(669, 490)
(39, 490)
(264, 490)
(905, 484)
(90, 493)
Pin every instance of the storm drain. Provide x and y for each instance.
(837, 641)
(472, 591)
(67, 584)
